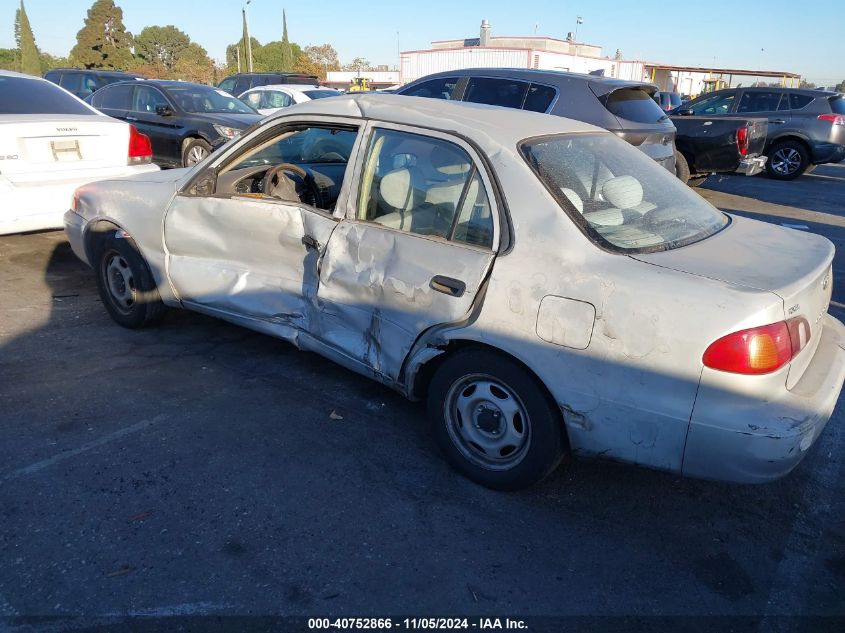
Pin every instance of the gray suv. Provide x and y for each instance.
(623, 107)
(806, 127)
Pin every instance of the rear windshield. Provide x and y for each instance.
(837, 104)
(321, 94)
(618, 196)
(19, 95)
(634, 104)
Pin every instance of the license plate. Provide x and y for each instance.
(66, 150)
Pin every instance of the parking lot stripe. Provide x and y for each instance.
(55, 459)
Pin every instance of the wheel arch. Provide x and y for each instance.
(790, 136)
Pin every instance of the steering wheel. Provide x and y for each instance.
(278, 183)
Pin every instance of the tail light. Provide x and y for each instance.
(836, 119)
(759, 350)
(742, 141)
(140, 148)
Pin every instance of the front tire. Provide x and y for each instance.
(681, 167)
(194, 150)
(787, 160)
(126, 285)
(493, 421)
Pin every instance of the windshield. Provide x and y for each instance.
(321, 94)
(202, 100)
(19, 95)
(619, 196)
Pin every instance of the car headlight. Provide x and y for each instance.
(227, 132)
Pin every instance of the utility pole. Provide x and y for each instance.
(248, 41)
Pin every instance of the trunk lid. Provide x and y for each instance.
(794, 265)
(33, 146)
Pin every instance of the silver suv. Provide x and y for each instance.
(806, 127)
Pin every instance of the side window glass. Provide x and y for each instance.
(434, 89)
(241, 86)
(114, 97)
(147, 99)
(317, 156)
(717, 104)
(425, 186)
(89, 84)
(796, 102)
(539, 98)
(499, 92)
(276, 99)
(253, 100)
(759, 102)
(227, 84)
(72, 82)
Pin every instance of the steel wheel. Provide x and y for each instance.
(196, 154)
(120, 282)
(487, 422)
(786, 161)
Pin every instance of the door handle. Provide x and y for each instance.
(448, 286)
(778, 121)
(131, 118)
(310, 242)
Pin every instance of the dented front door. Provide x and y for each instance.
(245, 256)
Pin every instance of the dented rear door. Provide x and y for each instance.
(382, 287)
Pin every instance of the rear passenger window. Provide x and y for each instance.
(759, 102)
(539, 98)
(116, 97)
(434, 89)
(796, 102)
(241, 85)
(227, 84)
(424, 185)
(499, 92)
(634, 104)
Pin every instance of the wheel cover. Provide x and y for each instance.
(487, 422)
(195, 155)
(120, 282)
(786, 161)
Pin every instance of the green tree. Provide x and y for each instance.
(275, 56)
(103, 42)
(840, 87)
(288, 55)
(8, 58)
(161, 45)
(29, 61)
(317, 60)
(806, 84)
(193, 64)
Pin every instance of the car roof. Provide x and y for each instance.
(96, 71)
(12, 73)
(279, 73)
(608, 84)
(491, 127)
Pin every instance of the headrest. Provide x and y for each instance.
(574, 198)
(448, 161)
(623, 192)
(396, 190)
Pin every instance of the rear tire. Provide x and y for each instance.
(787, 160)
(493, 421)
(194, 150)
(681, 167)
(125, 283)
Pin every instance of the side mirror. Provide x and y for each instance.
(682, 111)
(164, 110)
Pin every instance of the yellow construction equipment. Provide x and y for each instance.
(713, 84)
(359, 84)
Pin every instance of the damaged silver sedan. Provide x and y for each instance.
(546, 287)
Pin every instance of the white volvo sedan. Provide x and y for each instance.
(545, 286)
(52, 142)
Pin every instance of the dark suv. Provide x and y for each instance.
(241, 82)
(623, 107)
(84, 82)
(806, 127)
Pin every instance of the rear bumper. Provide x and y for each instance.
(751, 166)
(735, 437)
(828, 153)
(39, 205)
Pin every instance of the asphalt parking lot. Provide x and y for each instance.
(201, 469)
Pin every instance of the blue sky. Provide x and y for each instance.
(803, 37)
